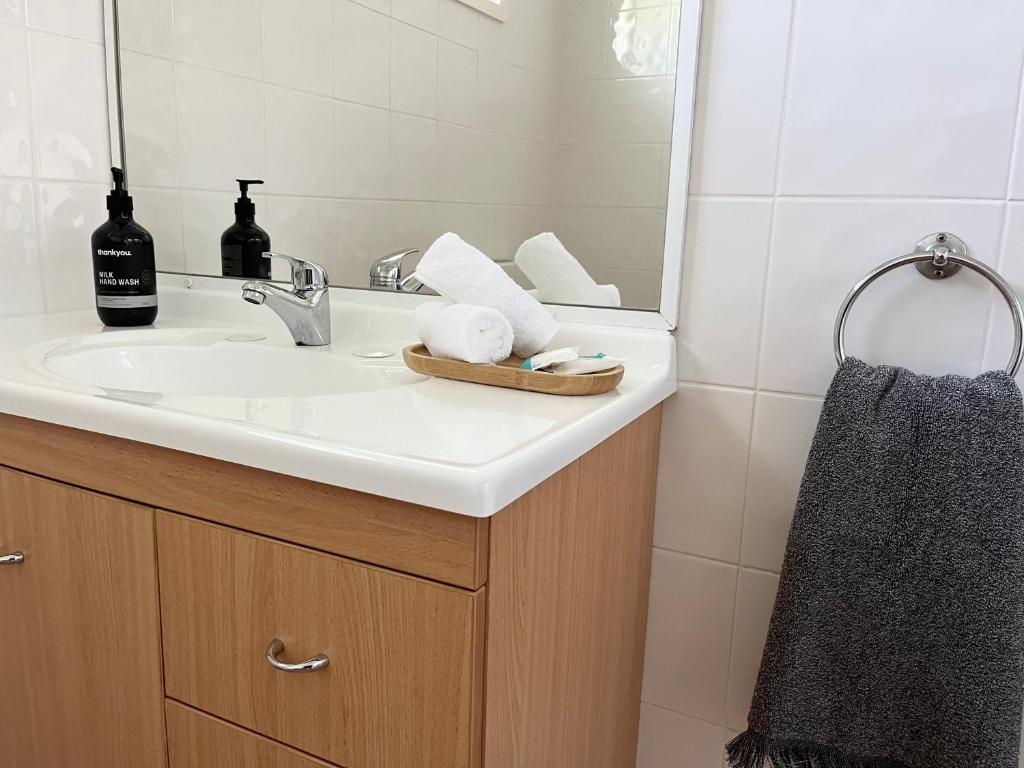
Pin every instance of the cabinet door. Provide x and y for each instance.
(80, 676)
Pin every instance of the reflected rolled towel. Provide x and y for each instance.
(460, 272)
(464, 332)
(558, 275)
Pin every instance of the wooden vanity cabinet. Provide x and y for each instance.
(135, 633)
(80, 679)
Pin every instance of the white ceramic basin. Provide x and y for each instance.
(217, 363)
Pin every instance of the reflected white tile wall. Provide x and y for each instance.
(413, 70)
(82, 18)
(212, 108)
(362, 144)
(300, 142)
(150, 107)
(221, 35)
(298, 45)
(362, 54)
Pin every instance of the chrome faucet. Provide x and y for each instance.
(306, 309)
(386, 273)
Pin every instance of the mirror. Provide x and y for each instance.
(377, 125)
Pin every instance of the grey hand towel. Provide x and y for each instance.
(898, 631)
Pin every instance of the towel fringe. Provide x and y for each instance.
(751, 749)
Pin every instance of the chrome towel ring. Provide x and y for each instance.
(938, 257)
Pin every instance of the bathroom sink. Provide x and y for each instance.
(217, 363)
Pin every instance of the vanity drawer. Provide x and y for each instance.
(403, 683)
(195, 740)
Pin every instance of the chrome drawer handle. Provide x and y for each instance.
(315, 664)
(15, 558)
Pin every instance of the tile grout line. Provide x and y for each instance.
(776, 186)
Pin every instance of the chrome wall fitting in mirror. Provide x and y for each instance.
(347, 130)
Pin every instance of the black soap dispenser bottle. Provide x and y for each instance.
(124, 267)
(243, 243)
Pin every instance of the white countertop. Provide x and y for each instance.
(461, 447)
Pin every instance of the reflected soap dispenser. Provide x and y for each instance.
(243, 243)
(124, 266)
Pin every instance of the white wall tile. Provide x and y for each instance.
(300, 142)
(306, 227)
(612, 175)
(159, 211)
(456, 83)
(670, 740)
(413, 158)
(380, 6)
(419, 13)
(623, 111)
(725, 260)
(21, 280)
(81, 18)
(221, 128)
(688, 634)
(68, 215)
(69, 82)
(298, 45)
(625, 238)
(150, 119)
(15, 105)
(361, 142)
(821, 248)
(145, 26)
(877, 100)
(742, 70)
(460, 164)
(12, 11)
(783, 429)
(459, 23)
(224, 35)
(999, 345)
(413, 70)
(362, 54)
(755, 599)
(702, 471)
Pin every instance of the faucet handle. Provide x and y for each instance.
(386, 272)
(306, 275)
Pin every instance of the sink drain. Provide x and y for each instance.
(373, 353)
(246, 337)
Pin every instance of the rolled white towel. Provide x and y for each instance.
(464, 332)
(558, 275)
(460, 272)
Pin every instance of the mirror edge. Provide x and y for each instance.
(112, 55)
(665, 317)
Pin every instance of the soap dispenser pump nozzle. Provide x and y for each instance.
(119, 202)
(244, 207)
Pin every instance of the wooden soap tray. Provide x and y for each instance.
(508, 374)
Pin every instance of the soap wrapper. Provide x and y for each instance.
(544, 360)
(588, 364)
